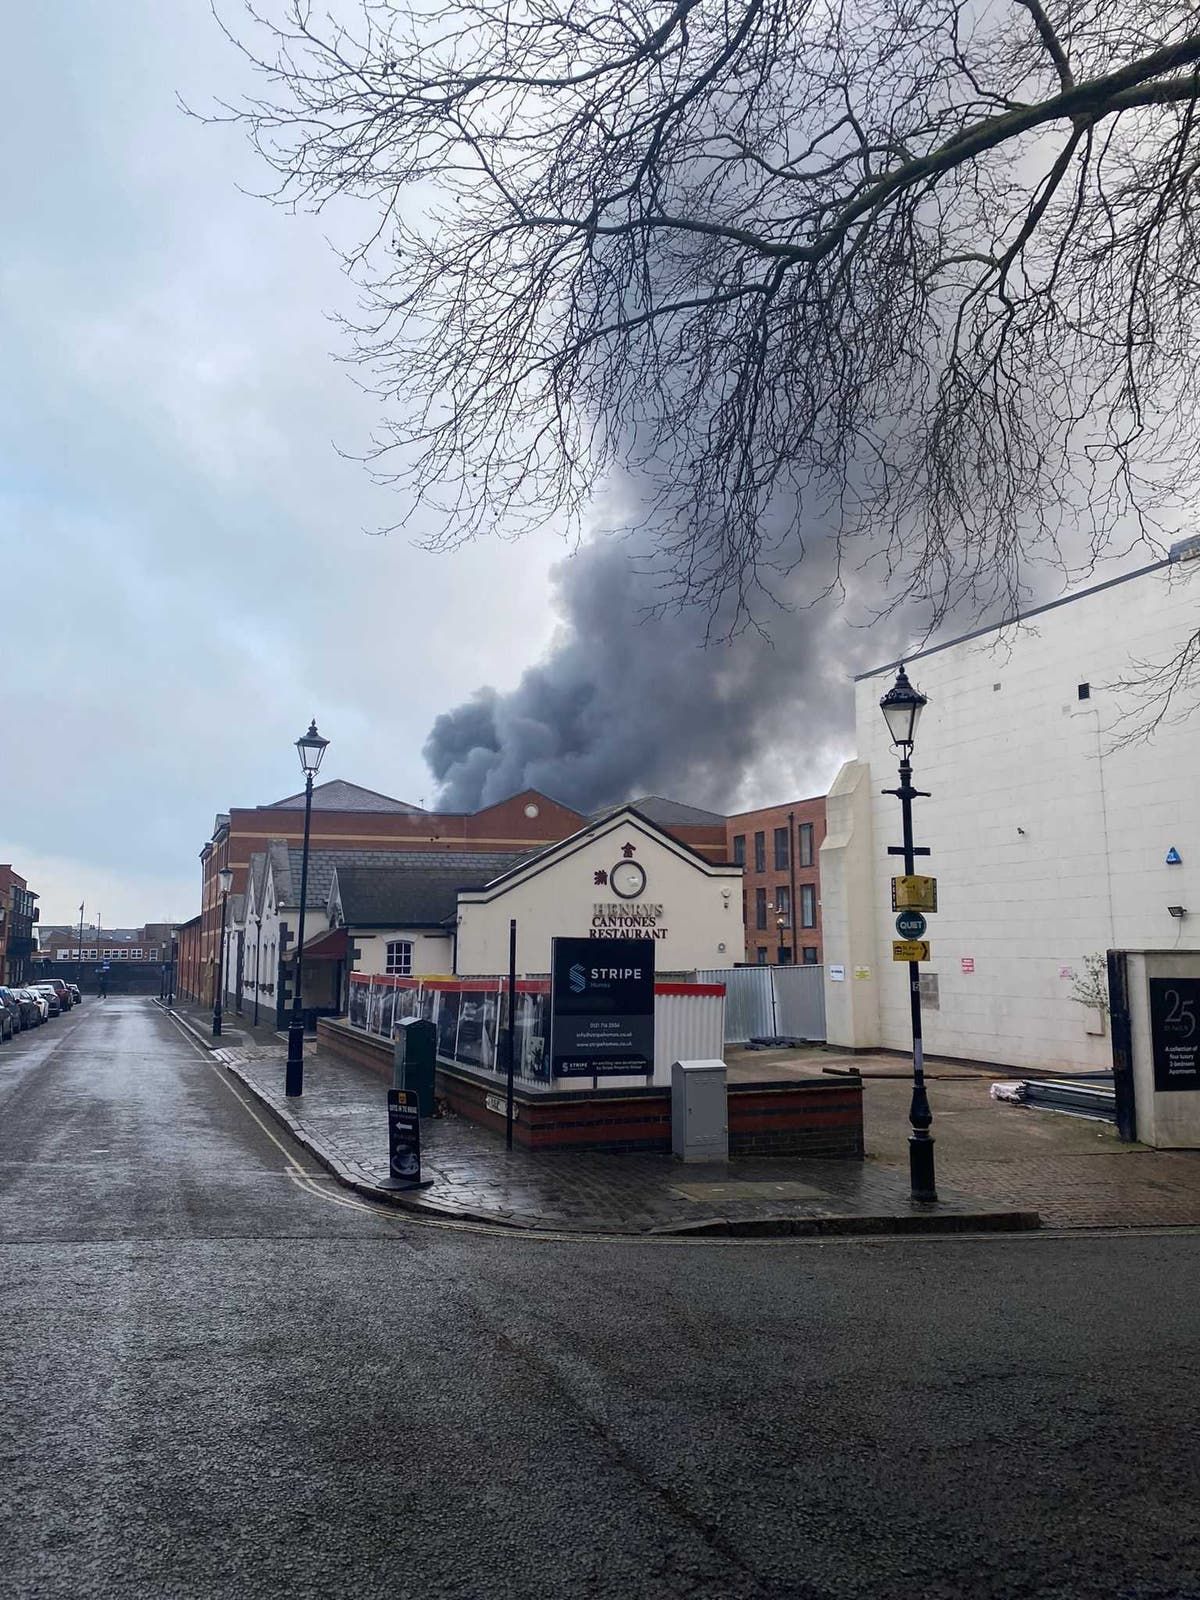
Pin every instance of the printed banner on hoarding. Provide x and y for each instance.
(602, 1008)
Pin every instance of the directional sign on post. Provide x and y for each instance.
(911, 925)
(910, 949)
(913, 892)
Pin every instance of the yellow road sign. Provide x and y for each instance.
(910, 949)
(914, 893)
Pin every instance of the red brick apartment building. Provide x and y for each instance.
(779, 847)
(17, 917)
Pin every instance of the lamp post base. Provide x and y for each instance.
(216, 1022)
(293, 1082)
(920, 1167)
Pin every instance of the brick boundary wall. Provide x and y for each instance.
(816, 1117)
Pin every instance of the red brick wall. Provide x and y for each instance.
(813, 1116)
(794, 938)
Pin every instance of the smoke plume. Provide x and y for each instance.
(624, 705)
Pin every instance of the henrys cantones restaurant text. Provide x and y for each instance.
(616, 919)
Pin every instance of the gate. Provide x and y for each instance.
(771, 1002)
(799, 1002)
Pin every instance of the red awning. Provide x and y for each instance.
(328, 946)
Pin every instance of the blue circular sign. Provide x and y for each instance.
(911, 925)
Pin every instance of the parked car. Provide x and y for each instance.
(39, 1001)
(76, 994)
(12, 1008)
(27, 1006)
(63, 993)
(50, 994)
(6, 1023)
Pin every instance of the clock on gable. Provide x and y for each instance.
(627, 879)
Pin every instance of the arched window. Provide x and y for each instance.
(399, 958)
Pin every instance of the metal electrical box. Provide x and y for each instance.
(414, 1060)
(699, 1111)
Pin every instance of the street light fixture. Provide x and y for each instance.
(257, 954)
(902, 706)
(311, 748)
(224, 883)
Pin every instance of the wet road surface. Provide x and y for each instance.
(221, 1375)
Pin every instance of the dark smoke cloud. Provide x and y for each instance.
(625, 705)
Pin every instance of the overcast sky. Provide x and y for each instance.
(187, 577)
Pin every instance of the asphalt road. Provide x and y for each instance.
(220, 1375)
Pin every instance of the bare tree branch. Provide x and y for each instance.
(913, 281)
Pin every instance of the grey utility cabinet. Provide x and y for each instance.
(699, 1111)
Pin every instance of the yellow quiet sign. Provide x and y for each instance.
(910, 949)
(914, 893)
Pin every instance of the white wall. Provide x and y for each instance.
(1049, 841)
(433, 953)
(700, 924)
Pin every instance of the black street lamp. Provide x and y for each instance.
(257, 952)
(225, 882)
(902, 706)
(312, 748)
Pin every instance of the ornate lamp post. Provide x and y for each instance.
(225, 883)
(312, 749)
(902, 706)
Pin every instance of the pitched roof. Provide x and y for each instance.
(404, 897)
(337, 795)
(477, 866)
(598, 828)
(666, 813)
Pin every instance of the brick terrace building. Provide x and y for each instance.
(17, 917)
(779, 847)
(346, 816)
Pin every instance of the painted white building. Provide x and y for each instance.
(620, 877)
(1051, 839)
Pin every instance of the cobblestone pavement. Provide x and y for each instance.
(343, 1117)
(1074, 1172)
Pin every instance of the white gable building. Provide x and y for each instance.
(620, 877)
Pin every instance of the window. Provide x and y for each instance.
(810, 955)
(760, 852)
(808, 905)
(739, 849)
(806, 844)
(399, 958)
(783, 904)
(760, 908)
(761, 956)
(1084, 691)
(781, 849)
